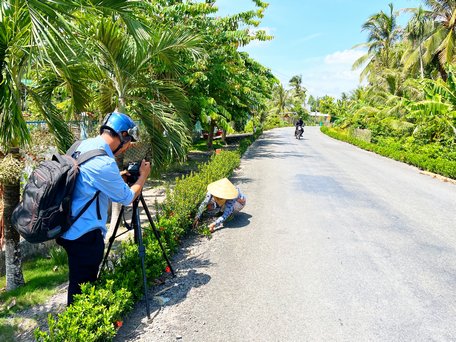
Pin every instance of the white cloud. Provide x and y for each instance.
(332, 74)
(344, 57)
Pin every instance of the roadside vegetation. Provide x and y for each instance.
(44, 274)
(407, 108)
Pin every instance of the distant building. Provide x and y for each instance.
(320, 117)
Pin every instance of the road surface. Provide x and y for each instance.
(335, 244)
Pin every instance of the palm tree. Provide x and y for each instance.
(130, 77)
(23, 29)
(383, 33)
(416, 31)
(440, 44)
(281, 100)
(139, 77)
(296, 83)
(35, 35)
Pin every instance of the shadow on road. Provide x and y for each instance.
(240, 220)
(238, 181)
(264, 148)
(188, 268)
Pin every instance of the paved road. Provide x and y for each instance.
(335, 244)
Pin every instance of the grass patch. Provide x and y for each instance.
(201, 145)
(7, 329)
(42, 276)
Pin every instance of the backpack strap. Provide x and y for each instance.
(83, 157)
(80, 159)
(87, 205)
(73, 148)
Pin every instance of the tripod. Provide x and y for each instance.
(136, 226)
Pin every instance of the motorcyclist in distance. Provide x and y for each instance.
(299, 126)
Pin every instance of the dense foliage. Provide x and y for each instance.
(409, 101)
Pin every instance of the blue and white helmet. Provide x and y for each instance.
(119, 123)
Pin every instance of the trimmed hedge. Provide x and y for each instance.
(96, 313)
(437, 165)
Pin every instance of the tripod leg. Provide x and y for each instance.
(141, 250)
(111, 241)
(154, 229)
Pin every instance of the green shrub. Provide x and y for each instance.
(91, 318)
(274, 121)
(427, 157)
(244, 144)
(58, 256)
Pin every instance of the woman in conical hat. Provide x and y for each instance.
(223, 198)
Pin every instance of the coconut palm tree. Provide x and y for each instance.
(440, 45)
(281, 100)
(296, 83)
(383, 33)
(417, 30)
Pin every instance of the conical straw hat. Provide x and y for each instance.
(223, 188)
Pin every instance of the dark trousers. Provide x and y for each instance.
(84, 258)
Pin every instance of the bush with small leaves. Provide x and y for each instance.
(91, 317)
(426, 157)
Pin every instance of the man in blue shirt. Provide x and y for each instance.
(84, 241)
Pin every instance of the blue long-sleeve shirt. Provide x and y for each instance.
(100, 173)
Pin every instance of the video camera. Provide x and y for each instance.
(133, 170)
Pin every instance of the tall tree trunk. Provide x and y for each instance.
(421, 62)
(210, 137)
(13, 260)
(224, 137)
(2, 226)
(115, 207)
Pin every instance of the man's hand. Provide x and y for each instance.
(212, 227)
(144, 169)
(124, 174)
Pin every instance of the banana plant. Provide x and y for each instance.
(435, 117)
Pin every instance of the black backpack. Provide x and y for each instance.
(45, 210)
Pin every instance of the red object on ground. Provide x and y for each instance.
(167, 269)
(217, 133)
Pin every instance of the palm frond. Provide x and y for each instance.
(56, 123)
(14, 132)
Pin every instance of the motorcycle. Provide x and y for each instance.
(299, 132)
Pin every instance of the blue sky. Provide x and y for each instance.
(314, 39)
